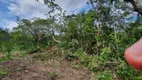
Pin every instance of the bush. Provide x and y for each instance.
(3, 72)
(106, 75)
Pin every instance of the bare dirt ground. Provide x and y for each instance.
(54, 69)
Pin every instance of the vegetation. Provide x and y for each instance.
(96, 38)
(3, 72)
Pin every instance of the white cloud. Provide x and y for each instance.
(31, 8)
(71, 5)
(27, 8)
(7, 24)
(10, 24)
(24, 9)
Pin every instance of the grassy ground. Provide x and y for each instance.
(45, 65)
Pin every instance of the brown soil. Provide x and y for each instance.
(55, 69)
(20, 70)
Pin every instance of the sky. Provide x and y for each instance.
(9, 9)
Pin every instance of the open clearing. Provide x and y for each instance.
(28, 68)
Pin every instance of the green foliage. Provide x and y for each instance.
(140, 28)
(3, 72)
(98, 46)
(44, 57)
(18, 69)
(4, 58)
(126, 72)
(106, 75)
(53, 75)
(76, 67)
(48, 55)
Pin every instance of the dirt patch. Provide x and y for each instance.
(65, 71)
(20, 70)
(58, 69)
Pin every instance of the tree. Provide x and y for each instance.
(4, 38)
(137, 6)
(37, 29)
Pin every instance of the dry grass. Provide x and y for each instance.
(56, 68)
(1, 55)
